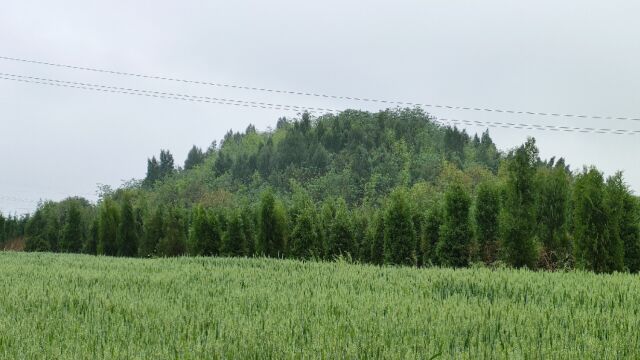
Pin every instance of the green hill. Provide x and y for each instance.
(393, 187)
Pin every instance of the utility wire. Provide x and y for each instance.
(320, 95)
(193, 98)
(157, 94)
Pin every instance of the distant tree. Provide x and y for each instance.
(630, 232)
(518, 215)
(432, 223)
(304, 235)
(339, 239)
(360, 222)
(453, 248)
(234, 238)
(127, 240)
(592, 250)
(399, 231)
(91, 243)
(616, 201)
(272, 226)
(486, 214)
(108, 221)
(204, 234)
(166, 166)
(2, 233)
(72, 234)
(376, 238)
(552, 205)
(153, 231)
(153, 172)
(35, 232)
(173, 243)
(194, 158)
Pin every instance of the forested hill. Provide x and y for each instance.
(358, 156)
(392, 187)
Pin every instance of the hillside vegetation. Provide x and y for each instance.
(392, 187)
(80, 307)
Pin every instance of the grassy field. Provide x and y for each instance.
(82, 307)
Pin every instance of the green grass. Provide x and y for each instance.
(82, 307)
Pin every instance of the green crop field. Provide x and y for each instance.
(83, 307)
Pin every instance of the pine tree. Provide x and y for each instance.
(194, 158)
(518, 215)
(72, 237)
(108, 228)
(271, 232)
(486, 216)
(127, 240)
(153, 231)
(453, 248)
(399, 231)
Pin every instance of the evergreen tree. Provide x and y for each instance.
(432, 223)
(630, 232)
(339, 240)
(518, 215)
(153, 231)
(72, 237)
(360, 229)
(108, 220)
(590, 222)
(127, 240)
(204, 235)
(453, 248)
(35, 231)
(166, 166)
(553, 192)
(234, 238)
(272, 226)
(399, 232)
(194, 158)
(486, 216)
(376, 238)
(2, 233)
(304, 234)
(173, 243)
(153, 172)
(616, 193)
(91, 243)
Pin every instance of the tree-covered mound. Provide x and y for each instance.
(393, 187)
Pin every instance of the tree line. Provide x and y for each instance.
(431, 196)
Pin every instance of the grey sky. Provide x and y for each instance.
(570, 57)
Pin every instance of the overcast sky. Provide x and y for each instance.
(577, 57)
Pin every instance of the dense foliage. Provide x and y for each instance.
(82, 307)
(392, 187)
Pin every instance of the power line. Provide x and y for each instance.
(320, 95)
(193, 98)
(157, 94)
